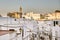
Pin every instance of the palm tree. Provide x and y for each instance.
(12, 15)
(57, 11)
(9, 14)
(42, 16)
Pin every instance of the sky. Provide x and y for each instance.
(40, 6)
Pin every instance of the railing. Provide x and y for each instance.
(27, 37)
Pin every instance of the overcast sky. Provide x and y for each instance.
(29, 5)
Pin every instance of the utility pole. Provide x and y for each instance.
(38, 33)
(20, 11)
(21, 17)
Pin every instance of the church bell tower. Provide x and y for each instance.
(20, 12)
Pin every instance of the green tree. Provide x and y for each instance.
(42, 16)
